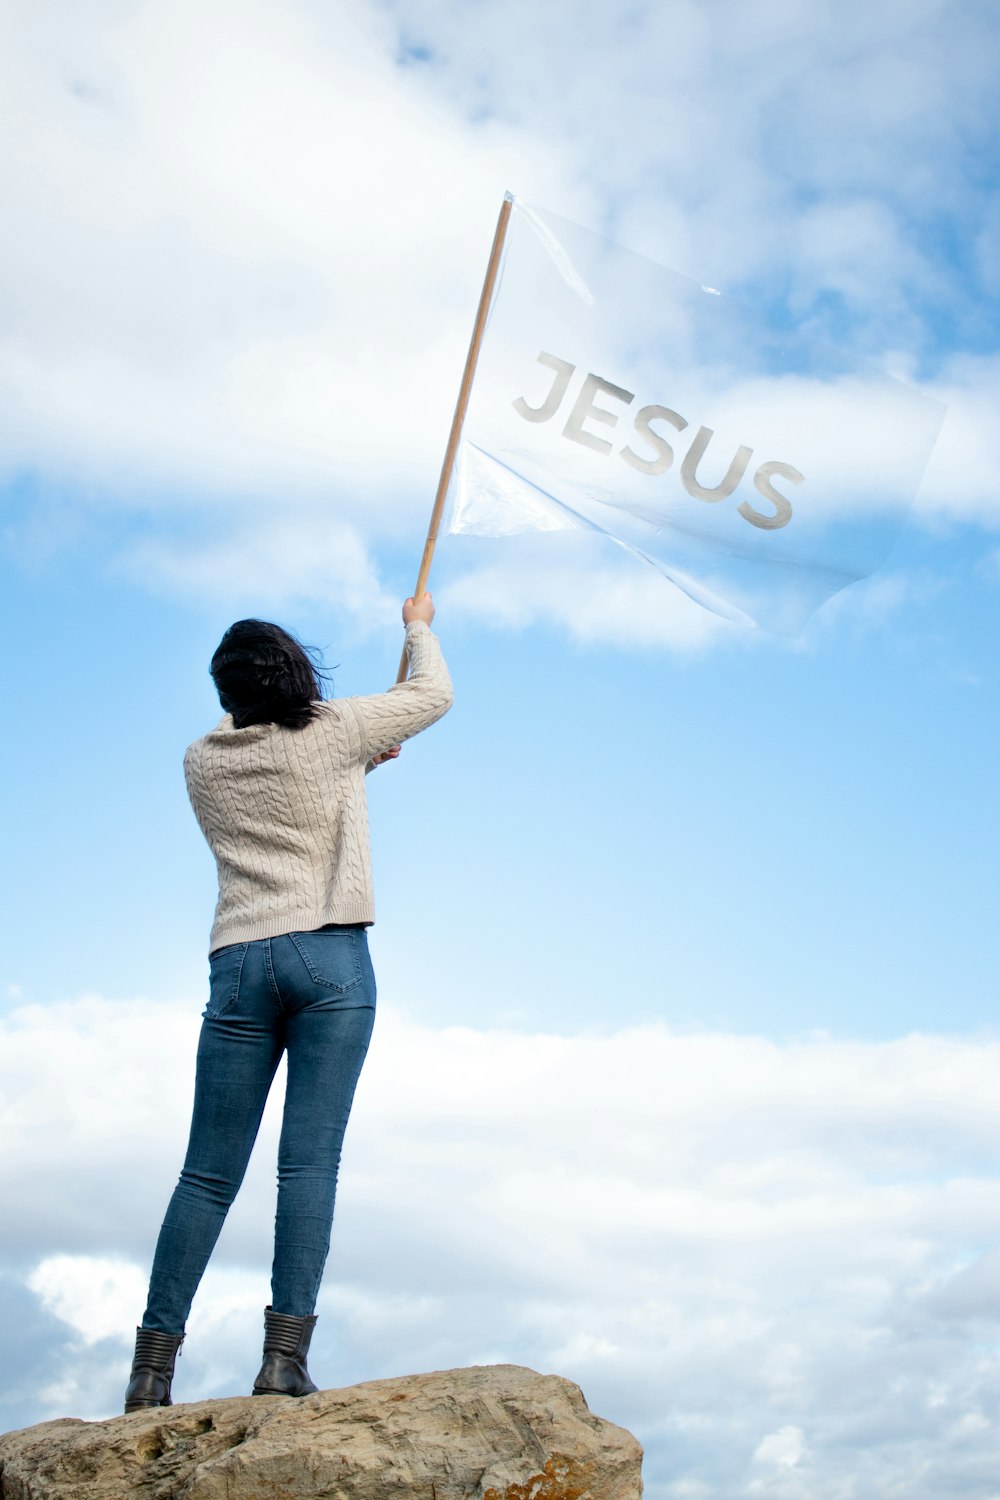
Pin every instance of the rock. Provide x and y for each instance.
(491, 1432)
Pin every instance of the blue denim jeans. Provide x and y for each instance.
(312, 995)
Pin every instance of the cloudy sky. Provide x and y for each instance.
(684, 1082)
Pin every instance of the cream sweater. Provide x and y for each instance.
(285, 812)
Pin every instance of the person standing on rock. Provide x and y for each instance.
(278, 788)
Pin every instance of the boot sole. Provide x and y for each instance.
(292, 1395)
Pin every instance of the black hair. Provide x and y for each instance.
(265, 676)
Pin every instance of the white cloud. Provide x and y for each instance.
(735, 125)
(276, 561)
(582, 585)
(783, 1448)
(96, 1295)
(962, 480)
(241, 260)
(727, 1241)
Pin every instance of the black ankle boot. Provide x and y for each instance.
(286, 1344)
(152, 1369)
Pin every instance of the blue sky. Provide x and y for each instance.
(772, 836)
(685, 933)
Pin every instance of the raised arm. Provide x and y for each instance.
(386, 719)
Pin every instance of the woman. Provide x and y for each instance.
(278, 789)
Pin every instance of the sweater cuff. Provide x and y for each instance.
(419, 626)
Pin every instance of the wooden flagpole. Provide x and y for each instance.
(461, 406)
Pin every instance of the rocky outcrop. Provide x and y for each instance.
(491, 1432)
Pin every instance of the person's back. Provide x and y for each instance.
(284, 809)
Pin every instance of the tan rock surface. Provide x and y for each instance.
(490, 1432)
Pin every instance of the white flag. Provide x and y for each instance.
(759, 469)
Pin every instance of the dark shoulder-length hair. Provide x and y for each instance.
(265, 676)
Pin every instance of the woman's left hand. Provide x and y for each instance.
(390, 754)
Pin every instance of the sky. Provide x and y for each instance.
(684, 1077)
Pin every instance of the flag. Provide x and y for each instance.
(758, 468)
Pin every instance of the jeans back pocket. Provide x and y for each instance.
(225, 967)
(331, 958)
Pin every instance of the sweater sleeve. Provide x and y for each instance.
(386, 719)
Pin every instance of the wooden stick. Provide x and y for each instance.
(461, 406)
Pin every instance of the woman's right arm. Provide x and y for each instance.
(387, 719)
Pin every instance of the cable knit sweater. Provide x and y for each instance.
(285, 812)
